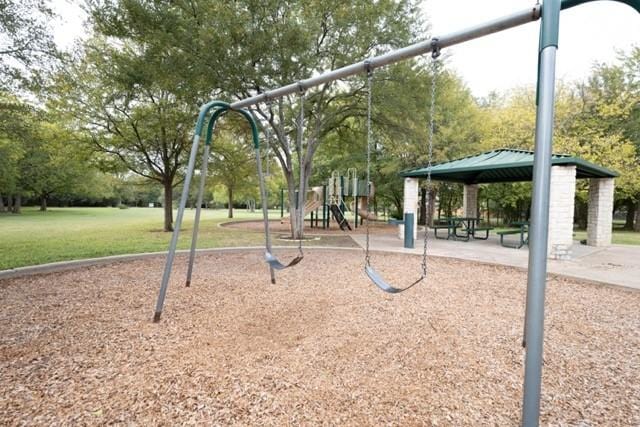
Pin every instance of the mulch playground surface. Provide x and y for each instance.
(323, 346)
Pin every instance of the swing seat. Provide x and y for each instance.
(382, 284)
(277, 265)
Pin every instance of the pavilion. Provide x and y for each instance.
(509, 165)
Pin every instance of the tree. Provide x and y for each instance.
(133, 104)
(26, 41)
(400, 116)
(610, 108)
(17, 124)
(54, 164)
(233, 164)
(595, 120)
(10, 153)
(294, 40)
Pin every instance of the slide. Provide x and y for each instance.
(363, 210)
(314, 201)
(339, 217)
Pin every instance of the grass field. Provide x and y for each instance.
(620, 237)
(60, 234)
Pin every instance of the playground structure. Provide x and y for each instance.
(341, 193)
(537, 270)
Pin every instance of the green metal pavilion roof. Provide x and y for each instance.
(503, 165)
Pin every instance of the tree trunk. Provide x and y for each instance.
(422, 219)
(230, 198)
(581, 214)
(631, 214)
(2, 208)
(431, 210)
(17, 205)
(636, 225)
(295, 225)
(488, 212)
(43, 203)
(168, 206)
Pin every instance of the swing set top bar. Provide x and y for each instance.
(514, 20)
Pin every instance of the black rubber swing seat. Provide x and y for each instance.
(382, 284)
(277, 265)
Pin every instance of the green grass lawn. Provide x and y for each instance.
(60, 234)
(620, 237)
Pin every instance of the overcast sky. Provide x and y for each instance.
(588, 33)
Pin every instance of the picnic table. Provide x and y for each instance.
(522, 231)
(468, 226)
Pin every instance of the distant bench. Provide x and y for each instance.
(521, 231)
(467, 224)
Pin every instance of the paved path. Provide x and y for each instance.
(616, 264)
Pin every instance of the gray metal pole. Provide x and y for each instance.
(176, 229)
(265, 210)
(196, 223)
(539, 231)
(417, 49)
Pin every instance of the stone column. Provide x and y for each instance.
(561, 209)
(470, 200)
(600, 216)
(410, 204)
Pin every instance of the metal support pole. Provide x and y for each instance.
(265, 212)
(356, 211)
(539, 230)
(325, 209)
(408, 230)
(196, 223)
(176, 228)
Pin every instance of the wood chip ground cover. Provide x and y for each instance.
(323, 346)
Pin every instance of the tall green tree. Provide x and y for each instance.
(55, 164)
(26, 42)
(610, 112)
(597, 120)
(233, 49)
(136, 105)
(278, 42)
(233, 164)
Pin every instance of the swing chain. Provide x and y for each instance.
(432, 108)
(367, 258)
(268, 134)
(435, 48)
(301, 196)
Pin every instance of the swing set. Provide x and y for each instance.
(549, 12)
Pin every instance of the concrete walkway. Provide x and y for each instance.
(616, 264)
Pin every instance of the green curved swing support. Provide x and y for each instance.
(217, 110)
(549, 11)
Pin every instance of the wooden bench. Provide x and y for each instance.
(521, 232)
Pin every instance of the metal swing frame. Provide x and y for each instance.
(537, 268)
